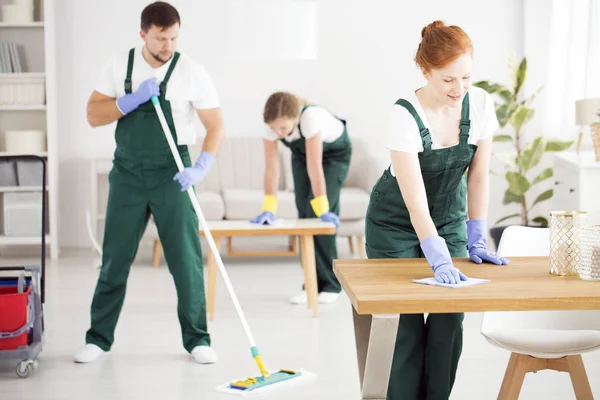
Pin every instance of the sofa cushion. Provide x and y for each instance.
(212, 205)
(353, 203)
(247, 204)
(352, 227)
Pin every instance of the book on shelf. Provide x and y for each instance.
(10, 61)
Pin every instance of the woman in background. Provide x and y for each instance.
(321, 153)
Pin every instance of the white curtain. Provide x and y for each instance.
(573, 67)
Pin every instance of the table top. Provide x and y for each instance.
(386, 287)
(309, 226)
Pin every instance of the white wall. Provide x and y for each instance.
(364, 63)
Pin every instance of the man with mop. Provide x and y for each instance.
(145, 180)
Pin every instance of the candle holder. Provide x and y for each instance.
(565, 249)
(589, 270)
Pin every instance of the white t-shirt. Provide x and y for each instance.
(189, 87)
(403, 133)
(314, 119)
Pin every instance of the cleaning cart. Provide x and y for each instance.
(22, 295)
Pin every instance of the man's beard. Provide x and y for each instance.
(157, 58)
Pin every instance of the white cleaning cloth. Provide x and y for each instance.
(468, 282)
(265, 390)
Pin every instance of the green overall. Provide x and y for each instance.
(426, 354)
(141, 184)
(336, 161)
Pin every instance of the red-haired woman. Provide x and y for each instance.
(437, 132)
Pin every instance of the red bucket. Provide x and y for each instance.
(13, 316)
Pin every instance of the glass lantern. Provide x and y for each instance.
(565, 249)
(589, 269)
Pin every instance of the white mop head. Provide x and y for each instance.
(265, 390)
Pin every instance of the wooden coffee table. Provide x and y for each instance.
(380, 290)
(306, 229)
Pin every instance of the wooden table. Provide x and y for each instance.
(306, 229)
(381, 289)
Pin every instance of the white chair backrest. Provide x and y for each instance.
(522, 241)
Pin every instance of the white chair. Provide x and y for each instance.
(540, 340)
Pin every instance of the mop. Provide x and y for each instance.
(267, 379)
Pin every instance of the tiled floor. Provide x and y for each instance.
(148, 361)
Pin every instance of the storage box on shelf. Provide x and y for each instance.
(22, 213)
(19, 11)
(26, 89)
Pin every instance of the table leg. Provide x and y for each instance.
(213, 274)
(375, 337)
(307, 250)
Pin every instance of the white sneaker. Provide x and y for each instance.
(204, 355)
(300, 298)
(328, 297)
(89, 353)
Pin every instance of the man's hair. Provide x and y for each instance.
(160, 14)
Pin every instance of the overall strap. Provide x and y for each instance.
(163, 84)
(425, 135)
(300, 117)
(129, 71)
(465, 122)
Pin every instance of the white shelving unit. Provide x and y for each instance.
(36, 46)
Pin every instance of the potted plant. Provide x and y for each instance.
(521, 160)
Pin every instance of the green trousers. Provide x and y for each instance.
(427, 351)
(136, 192)
(325, 245)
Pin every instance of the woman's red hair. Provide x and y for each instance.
(440, 45)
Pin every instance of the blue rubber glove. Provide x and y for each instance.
(477, 244)
(331, 217)
(145, 91)
(265, 218)
(192, 175)
(437, 254)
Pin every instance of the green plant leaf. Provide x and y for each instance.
(558, 145)
(510, 197)
(517, 183)
(543, 196)
(527, 102)
(503, 138)
(508, 158)
(506, 95)
(502, 114)
(521, 116)
(532, 154)
(521, 75)
(507, 217)
(545, 174)
(542, 221)
(505, 112)
(491, 88)
(512, 65)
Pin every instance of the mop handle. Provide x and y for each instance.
(209, 238)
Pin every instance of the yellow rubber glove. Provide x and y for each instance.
(270, 203)
(320, 205)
